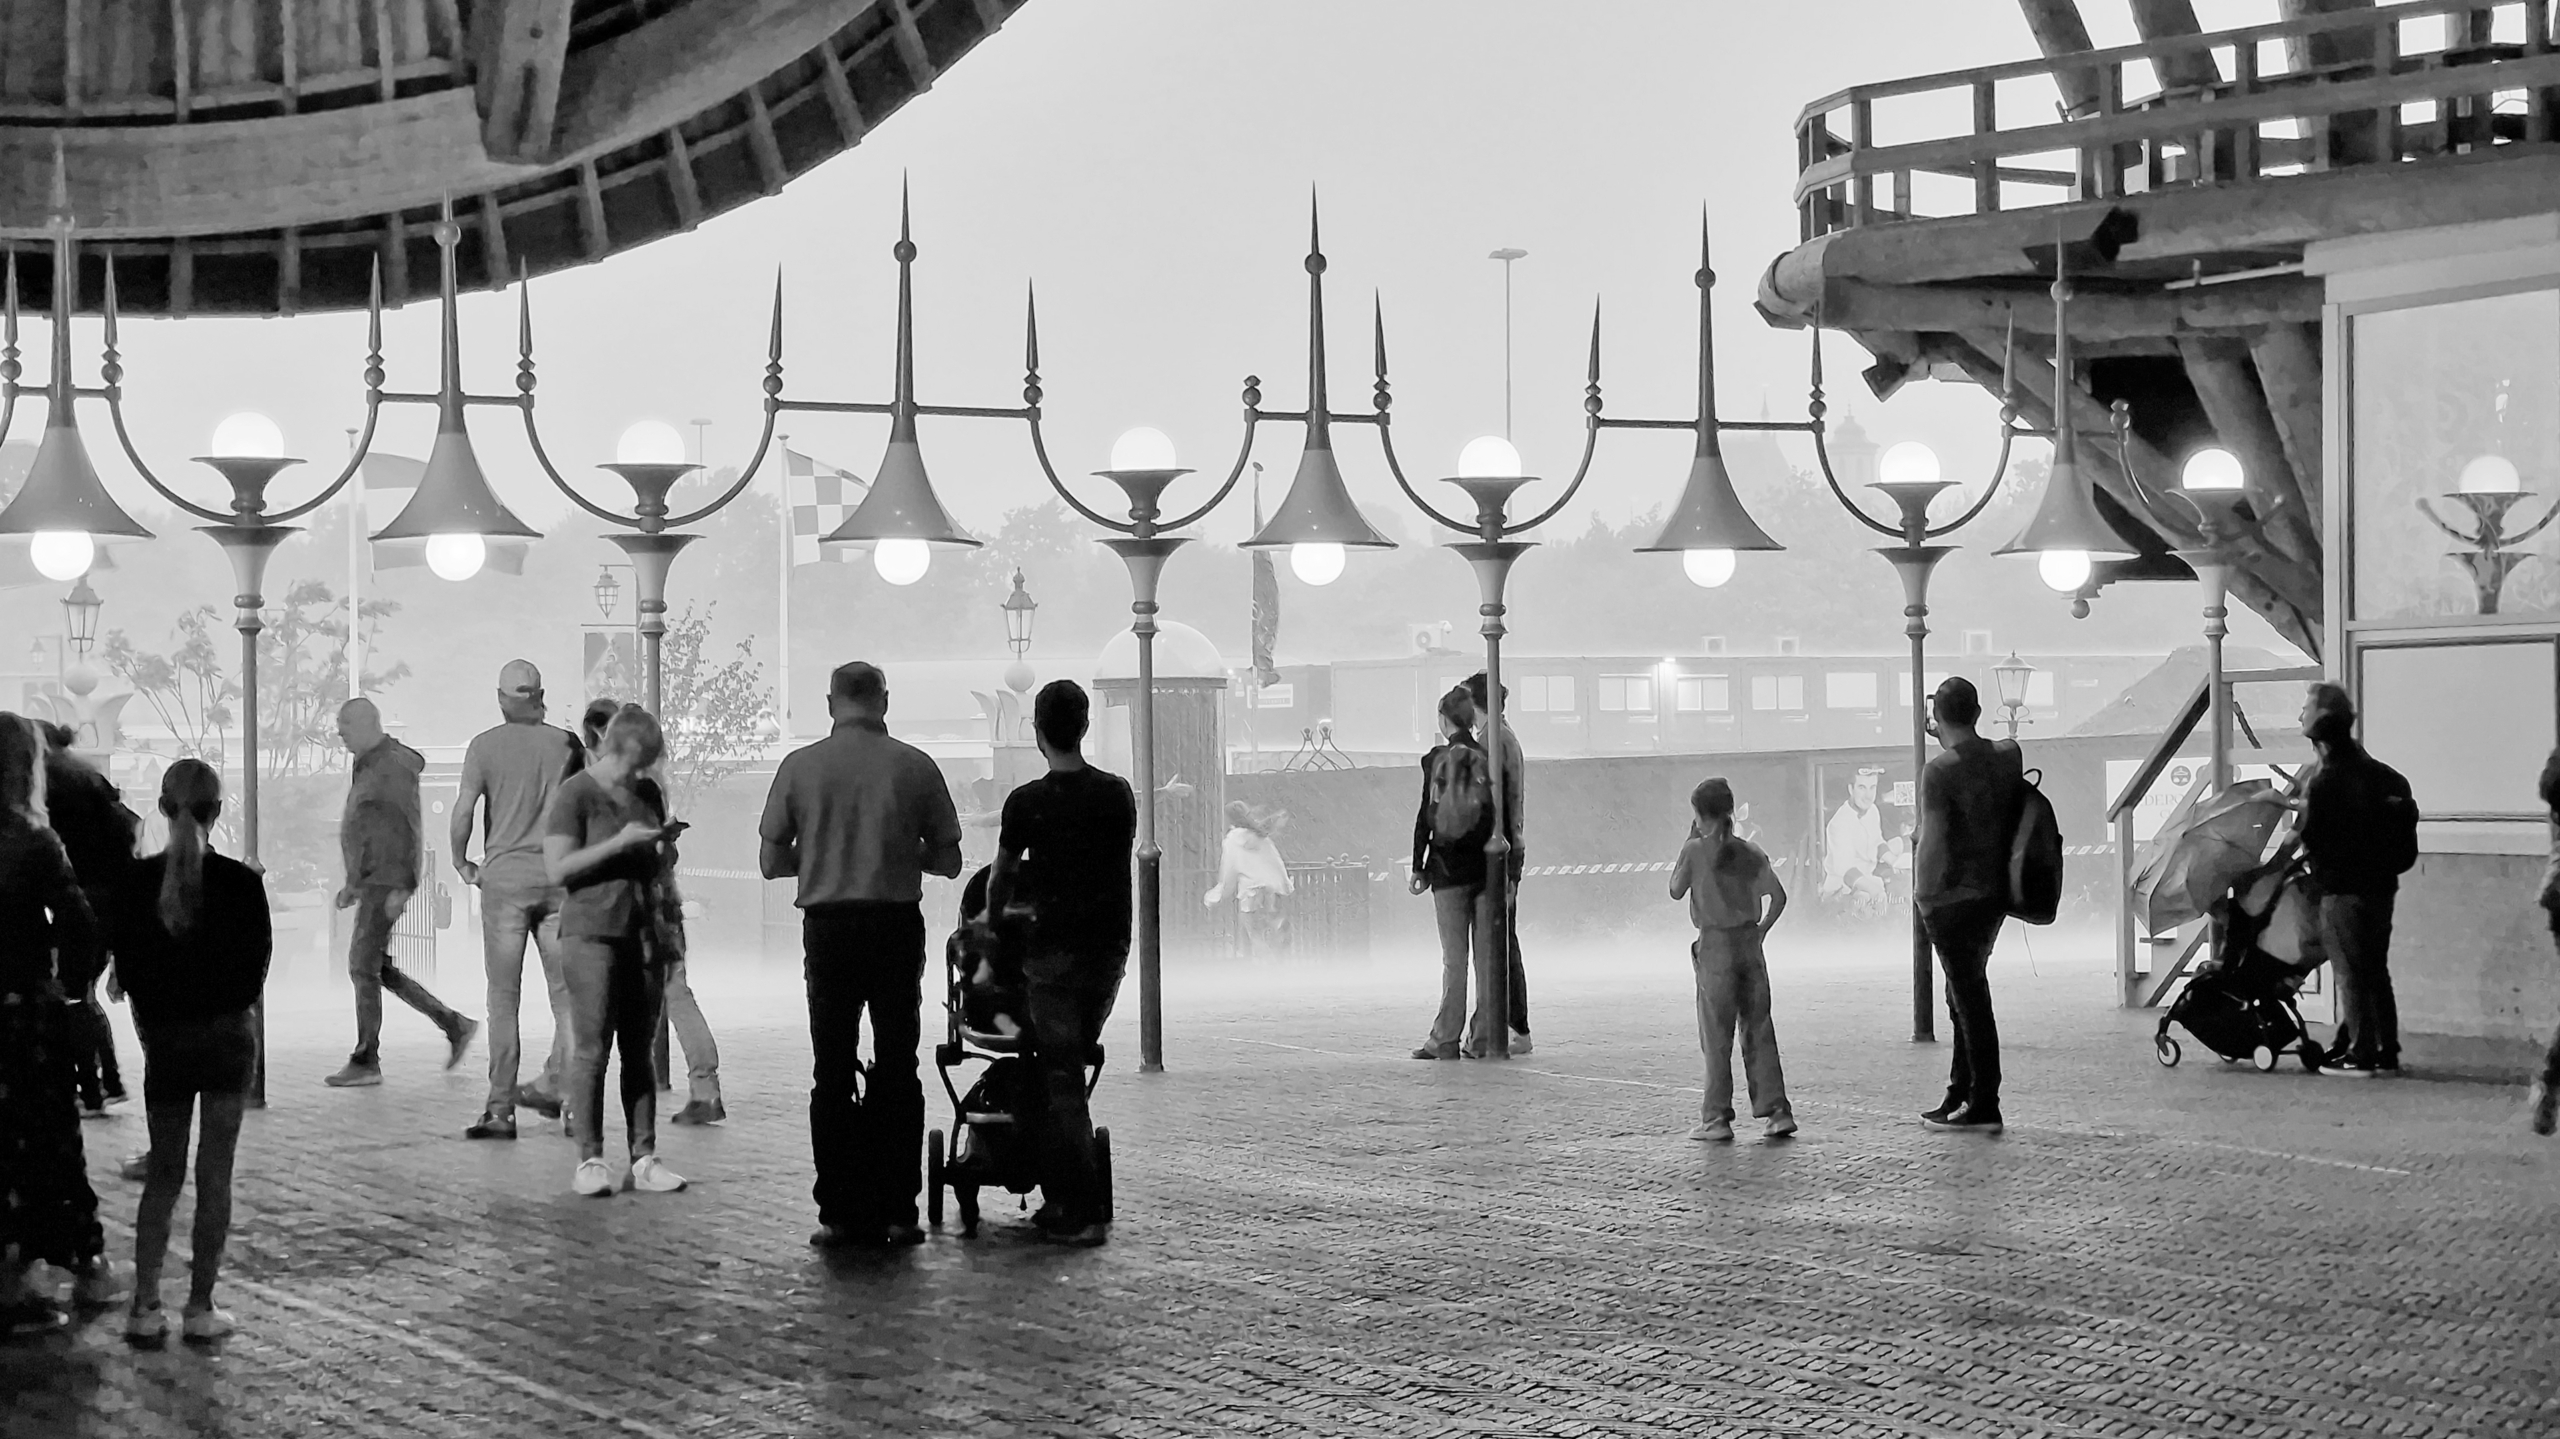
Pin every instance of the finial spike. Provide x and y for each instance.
(1031, 326)
(1595, 340)
(107, 302)
(1315, 226)
(902, 206)
(524, 311)
(1378, 330)
(1706, 228)
(12, 319)
(773, 344)
(373, 308)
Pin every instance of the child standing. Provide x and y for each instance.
(1726, 880)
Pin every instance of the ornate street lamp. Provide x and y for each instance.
(2009, 678)
(608, 592)
(80, 616)
(1019, 608)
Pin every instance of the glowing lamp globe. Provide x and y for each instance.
(2213, 470)
(1908, 463)
(1316, 564)
(1707, 568)
(650, 442)
(901, 562)
(456, 557)
(247, 436)
(1488, 457)
(2063, 571)
(62, 554)
(1143, 449)
(2490, 475)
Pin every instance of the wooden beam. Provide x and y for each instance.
(681, 185)
(182, 58)
(991, 14)
(675, 67)
(289, 272)
(493, 240)
(2227, 384)
(387, 85)
(2060, 32)
(839, 90)
(919, 61)
(2288, 361)
(2184, 69)
(395, 260)
(2096, 316)
(770, 171)
(591, 227)
(525, 47)
(182, 279)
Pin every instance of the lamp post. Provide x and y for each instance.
(80, 616)
(1019, 610)
(608, 592)
(2009, 678)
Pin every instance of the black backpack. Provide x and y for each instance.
(2395, 823)
(2035, 855)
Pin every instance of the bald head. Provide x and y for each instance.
(359, 725)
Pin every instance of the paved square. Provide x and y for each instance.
(1319, 1236)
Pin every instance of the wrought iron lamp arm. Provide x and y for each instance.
(772, 416)
(1816, 407)
(2456, 535)
(2533, 529)
(1999, 475)
(1382, 399)
(1030, 413)
(1244, 456)
(1591, 426)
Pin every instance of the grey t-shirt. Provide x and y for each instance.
(867, 814)
(516, 769)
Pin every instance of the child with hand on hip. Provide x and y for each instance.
(1734, 899)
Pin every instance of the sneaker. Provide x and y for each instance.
(1439, 1052)
(97, 1286)
(1939, 1114)
(1520, 1045)
(1781, 1124)
(2546, 1107)
(458, 1040)
(540, 1101)
(1081, 1236)
(701, 1111)
(492, 1125)
(592, 1179)
(902, 1236)
(1712, 1131)
(2348, 1069)
(650, 1175)
(1971, 1118)
(835, 1236)
(356, 1075)
(203, 1326)
(148, 1327)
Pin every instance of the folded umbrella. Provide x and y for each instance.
(2207, 846)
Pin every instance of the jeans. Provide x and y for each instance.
(187, 1064)
(1963, 936)
(701, 1051)
(1733, 997)
(2356, 930)
(867, 1145)
(1519, 977)
(369, 965)
(1460, 910)
(516, 906)
(613, 1003)
(1070, 994)
(93, 1053)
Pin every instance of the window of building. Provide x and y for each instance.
(1705, 693)
(1849, 690)
(1626, 693)
(1532, 693)
(2040, 690)
(1902, 685)
(1777, 692)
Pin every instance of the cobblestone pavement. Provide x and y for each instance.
(1319, 1236)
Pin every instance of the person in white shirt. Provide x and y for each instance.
(1853, 853)
(1252, 873)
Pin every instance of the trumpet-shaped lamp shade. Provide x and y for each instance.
(1908, 463)
(1318, 510)
(456, 557)
(62, 554)
(1317, 564)
(1488, 457)
(1143, 449)
(2213, 470)
(1710, 515)
(1707, 568)
(649, 442)
(2067, 521)
(901, 506)
(62, 492)
(2490, 475)
(2063, 571)
(247, 436)
(902, 562)
(453, 498)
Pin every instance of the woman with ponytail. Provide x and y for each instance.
(1726, 879)
(192, 939)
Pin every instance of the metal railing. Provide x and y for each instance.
(1325, 916)
(2316, 93)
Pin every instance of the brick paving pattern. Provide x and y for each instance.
(1318, 1236)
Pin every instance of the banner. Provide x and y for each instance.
(821, 495)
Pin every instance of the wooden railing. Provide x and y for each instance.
(2382, 85)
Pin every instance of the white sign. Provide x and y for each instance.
(1278, 697)
(2182, 777)
(1901, 794)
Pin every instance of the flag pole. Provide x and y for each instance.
(358, 519)
(782, 592)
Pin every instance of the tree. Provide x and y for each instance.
(189, 688)
(302, 674)
(717, 714)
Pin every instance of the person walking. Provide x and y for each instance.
(1450, 829)
(48, 1212)
(607, 842)
(1514, 766)
(97, 831)
(703, 1101)
(378, 838)
(1252, 873)
(2356, 812)
(510, 773)
(1969, 797)
(2544, 1107)
(1063, 851)
(1734, 900)
(193, 937)
(858, 819)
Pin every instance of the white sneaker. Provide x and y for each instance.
(592, 1179)
(1781, 1124)
(203, 1326)
(650, 1175)
(147, 1326)
(1713, 1131)
(1521, 1048)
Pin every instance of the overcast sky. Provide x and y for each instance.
(1148, 163)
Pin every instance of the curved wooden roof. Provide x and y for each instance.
(255, 156)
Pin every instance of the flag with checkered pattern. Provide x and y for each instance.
(821, 496)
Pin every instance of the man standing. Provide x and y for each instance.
(860, 819)
(1969, 798)
(512, 771)
(1513, 765)
(378, 839)
(2349, 826)
(1063, 852)
(1853, 852)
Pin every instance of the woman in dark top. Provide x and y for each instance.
(608, 843)
(192, 940)
(48, 1213)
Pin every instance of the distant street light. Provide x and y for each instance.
(2009, 678)
(1506, 255)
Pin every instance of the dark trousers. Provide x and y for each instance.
(867, 1145)
(1519, 977)
(1963, 936)
(93, 1053)
(1071, 993)
(2356, 930)
(369, 966)
(2551, 1058)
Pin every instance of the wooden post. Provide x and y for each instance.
(1986, 171)
(1862, 137)
(2060, 31)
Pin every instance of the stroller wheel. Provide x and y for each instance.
(2165, 1049)
(2264, 1058)
(1102, 1168)
(933, 1178)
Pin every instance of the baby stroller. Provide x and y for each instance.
(994, 1139)
(2239, 1003)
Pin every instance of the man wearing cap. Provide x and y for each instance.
(1969, 800)
(509, 775)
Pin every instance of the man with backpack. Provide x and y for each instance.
(1449, 835)
(2360, 833)
(1971, 797)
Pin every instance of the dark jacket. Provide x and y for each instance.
(1969, 800)
(218, 967)
(378, 833)
(41, 909)
(85, 808)
(2342, 818)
